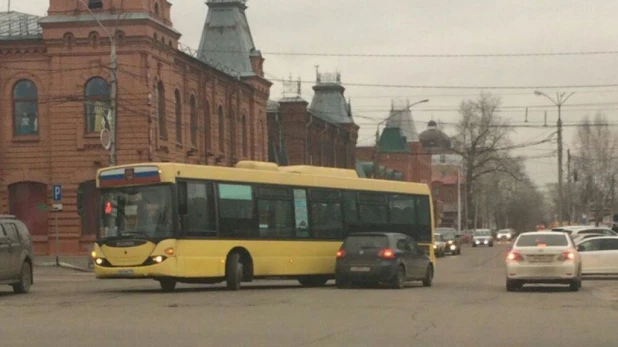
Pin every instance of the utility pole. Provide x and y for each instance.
(113, 107)
(569, 187)
(560, 100)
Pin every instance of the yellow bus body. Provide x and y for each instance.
(206, 258)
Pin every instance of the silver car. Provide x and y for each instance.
(543, 257)
(482, 237)
(15, 254)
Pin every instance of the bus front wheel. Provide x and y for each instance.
(233, 271)
(167, 285)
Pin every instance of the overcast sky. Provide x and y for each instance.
(437, 27)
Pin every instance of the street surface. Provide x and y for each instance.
(467, 306)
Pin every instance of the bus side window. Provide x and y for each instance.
(236, 211)
(373, 208)
(275, 212)
(401, 209)
(423, 217)
(326, 216)
(200, 218)
(350, 211)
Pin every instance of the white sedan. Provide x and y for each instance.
(599, 255)
(543, 257)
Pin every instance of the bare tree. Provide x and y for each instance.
(482, 139)
(596, 164)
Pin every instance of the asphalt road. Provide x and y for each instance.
(467, 306)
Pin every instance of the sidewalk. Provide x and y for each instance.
(78, 263)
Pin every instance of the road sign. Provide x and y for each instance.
(57, 192)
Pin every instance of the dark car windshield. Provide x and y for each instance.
(447, 234)
(547, 240)
(359, 242)
(137, 211)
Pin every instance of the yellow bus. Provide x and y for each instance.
(180, 223)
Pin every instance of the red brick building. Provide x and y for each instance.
(322, 134)
(399, 149)
(208, 107)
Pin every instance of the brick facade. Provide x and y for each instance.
(415, 165)
(304, 139)
(207, 115)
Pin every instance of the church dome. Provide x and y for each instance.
(434, 138)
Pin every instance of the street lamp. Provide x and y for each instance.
(559, 101)
(376, 160)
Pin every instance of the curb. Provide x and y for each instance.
(63, 265)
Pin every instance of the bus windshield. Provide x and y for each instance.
(144, 211)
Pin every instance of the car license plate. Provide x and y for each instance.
(360, 268)
(128, 272)
(541, 259)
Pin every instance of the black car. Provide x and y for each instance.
(452, 239)
(377, 257)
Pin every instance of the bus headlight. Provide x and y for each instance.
(99, 261)
(159, 258)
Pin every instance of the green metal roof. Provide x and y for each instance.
(393, 140)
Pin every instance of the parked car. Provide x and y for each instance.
(482, 237)
(378, 257)
(15, 254)
(452, 239)
(543, 257)
(439, 246)
(599, 255)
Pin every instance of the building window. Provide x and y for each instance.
(207, 143)
(156, 8)
(161, 111)
(26, 99)
(233, 137)
(245, 141)
(178, 102)
(193, 109)
(221, 119)
(96, 96)
(95, 4)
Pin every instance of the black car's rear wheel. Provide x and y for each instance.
(399, 281)
(428, 279)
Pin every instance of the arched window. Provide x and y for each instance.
(178, 102)
(96, 96)
(233, 137)
(156, 8)
(245, 141)
(207, 126)
(193, 110)
(161, 115)
(221, 120)
(25, 106)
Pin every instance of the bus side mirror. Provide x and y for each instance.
(80, 201)
(182, 198)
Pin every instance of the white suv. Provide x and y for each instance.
(543, 257)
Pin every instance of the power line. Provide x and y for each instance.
(403, 55)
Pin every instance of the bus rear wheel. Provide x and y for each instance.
(168, 285)
(233, 271)
(313, 281)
